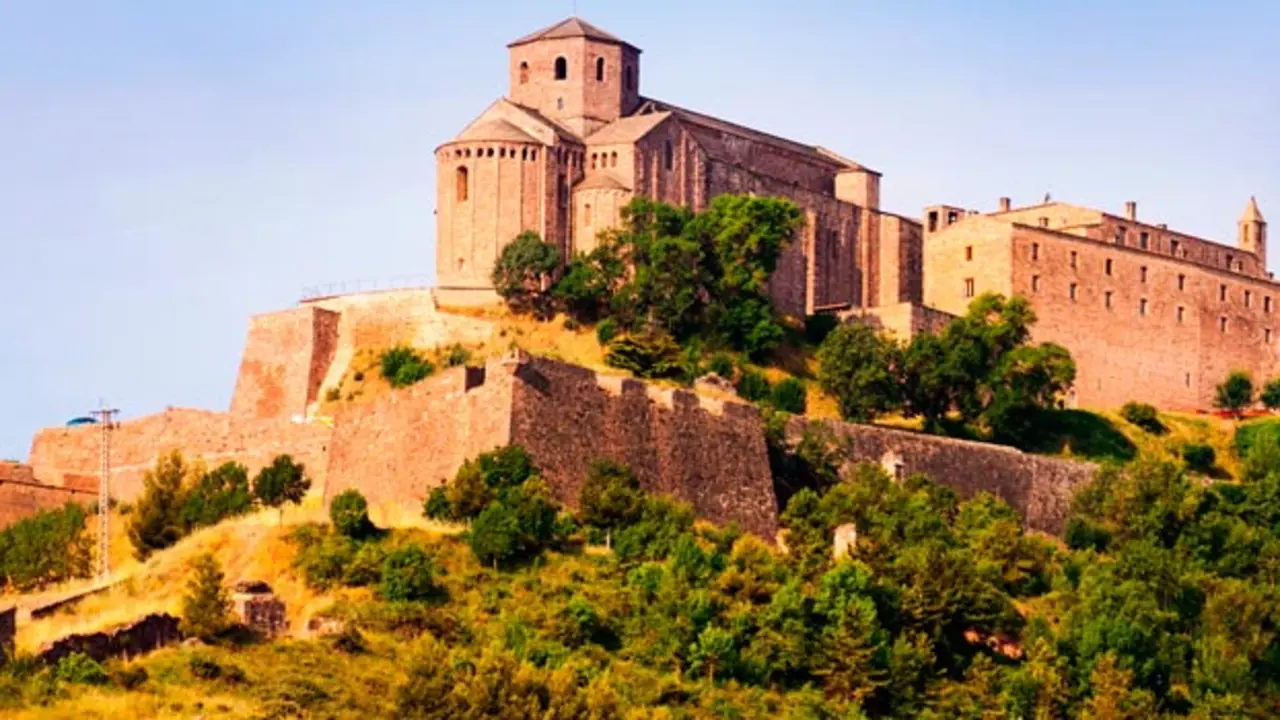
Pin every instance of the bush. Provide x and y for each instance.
(520, 525)
(48, 547)
(204, 668)
(403, 366)
(130, 677)
(408, 574)
(789, 395)
(753, 386)
(323, 559)
(1250, 433)
(1143, 415)
(349, 514)
(365, 567)
(606, 331)
(80, 668)
(722, 365)
(349, 641)
(818, 327)
(649, 355)
(457, 356)
(611, 496)
(206, 607)
(437, 505)
(1198, 456)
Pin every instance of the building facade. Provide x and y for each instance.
(575, 140)
(1148, 313)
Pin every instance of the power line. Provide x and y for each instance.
(105, 417)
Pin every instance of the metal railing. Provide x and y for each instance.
(349, 287)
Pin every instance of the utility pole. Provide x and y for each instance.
(106, 419)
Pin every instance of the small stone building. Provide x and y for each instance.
(258, 608)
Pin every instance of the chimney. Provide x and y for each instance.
(1131, 210)
(1004, 204)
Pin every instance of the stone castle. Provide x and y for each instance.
(1148, 313)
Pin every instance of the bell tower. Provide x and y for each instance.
(1253, 232)
(577, 74)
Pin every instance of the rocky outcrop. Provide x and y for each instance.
(149, 633)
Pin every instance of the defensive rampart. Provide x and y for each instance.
(21, 496)
(1038, 487)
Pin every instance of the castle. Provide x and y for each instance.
(1148, 313)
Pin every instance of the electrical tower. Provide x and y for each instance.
(106, 419)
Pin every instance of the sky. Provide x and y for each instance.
(168, 169)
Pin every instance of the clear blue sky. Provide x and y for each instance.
(168, 168)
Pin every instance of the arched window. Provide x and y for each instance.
(669, 156)
(628, 78)
(524, 73)
(562, 68)
(599, 69)
(613, 159)
(593, 161)
(461, 191)
(586, 214)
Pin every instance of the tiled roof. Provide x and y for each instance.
(500, 130)
(601, 181)
(571, 27)
(628, 129)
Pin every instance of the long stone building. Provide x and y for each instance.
(575, 140)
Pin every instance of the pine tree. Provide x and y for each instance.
(157, 522)
(280, 482)
(206, 606)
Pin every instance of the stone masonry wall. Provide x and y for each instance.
(709, 454)
(19, 499)
(1039, 488)
(285, 359)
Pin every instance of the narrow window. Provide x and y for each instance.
(1035, 251)
(952, 216)
(1228, 261)
(1266, 336)
(968, 287)
(628, 78)
(593, 161)
(1182, 282)
(1144, 273)
(1181, 314)
(1120, 236)
(1106, 299)
(1142, 307)
(1266, 304)
(524, 73)
(1188, 380)
(613, 159)
(1248, 298)
(533, 154)
(559, 103)
(669, 155)
(524, 154)
(586, 214)
(1222, 293)
(1108, 266)
(1144, 240)
(1071, 292)
(1222, 324)
(968, 252)
(933, 221)
(1173, 247)
(1035, 283)
(1074, 254)
(490, 153)
(1044, 222)
(562, 68)
(461, 192)
(562, 191)
(599, 69)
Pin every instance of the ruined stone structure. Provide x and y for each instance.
(575, 140)
(1148, 313)
(21, 495)
(258, 608)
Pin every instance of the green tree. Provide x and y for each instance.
(219, 494)
(50, 546)
(645, 355)
(468, 494)
(349, 514)
(1235, 393)
(206, 606)
(1270, 395)
(522, 275)
(408, 574)
(156, 522)
(857, 366)
(283, 481)
(610, 497)
(589, 282)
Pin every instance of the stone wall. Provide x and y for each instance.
(285, 359)
(149, 633)
(1038, 487)
(22, 496)
(707, 453)
(905, 320)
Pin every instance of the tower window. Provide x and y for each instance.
(952, 216)
(1120, 236)
(1181, 313)
(586, 214)
(1035, 251)
(1222, 293)
(613, 159)
(460, 193)
(933, 221)
(1035, 283)
(1222, 324)
(1106, 299)
(593, 160)
(1144, 240)
(524, 73)
(1182, 282)
(1071, 292)
(628, 78)
(1266, 304)
(1142, 306)
(1074, 255)
(1144, 273)
(1248, 298)
(1108, 266)
(562, 68)
(968, 287)
(1044, 221)
(559, 103)
(1173, 247)
(599, 69)
(669, 155)
(1266, 336)
(968, 252)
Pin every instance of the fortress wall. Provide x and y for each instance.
(905, 320)
(71, 457)
(285, 359)
(19, 499)
(398, 447)
(713, 457)
(1039, 488)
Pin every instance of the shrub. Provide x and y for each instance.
(1198, 456)
(365, 567)
(349, 514)
(206, 607)
(1250, 433)
(80, 668)
(722, 365)
(50, 546)
(408, 574)
(518, 526)
(130, 677)
(506, 467)
(611, 496)
(789, 395)
(403, 366)
(753, 386)
(437, 505)
(606, 331)
(1143, 415)
(818, 327)
(333, 394)
(324, 560)
(648, 355)
(457, 356)
(468, 494)
(204, 668)
(349, 641)
(1270, 395)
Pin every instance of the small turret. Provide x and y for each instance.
(1253, 232)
